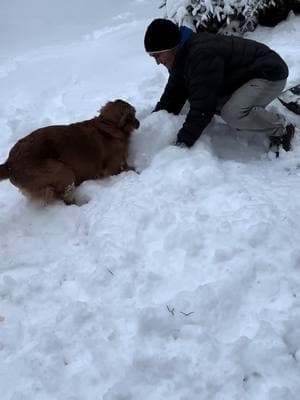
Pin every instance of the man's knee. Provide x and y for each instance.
(233, 115)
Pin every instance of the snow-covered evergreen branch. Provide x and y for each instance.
(229, 16)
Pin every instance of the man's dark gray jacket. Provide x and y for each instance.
(209, 67)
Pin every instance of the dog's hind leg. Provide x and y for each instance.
(68, 196)
(62, 181)
(48, 180)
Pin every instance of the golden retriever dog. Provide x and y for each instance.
(48, 163)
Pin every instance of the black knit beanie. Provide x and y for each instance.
(161, 34)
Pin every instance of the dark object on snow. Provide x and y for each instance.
(284, 140)
(291, 99)
(272, 15)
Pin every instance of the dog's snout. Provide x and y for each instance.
(136, 123)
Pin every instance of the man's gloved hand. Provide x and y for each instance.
(181, 144)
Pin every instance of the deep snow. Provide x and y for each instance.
(180, 282)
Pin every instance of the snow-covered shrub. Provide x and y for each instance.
(226, 16)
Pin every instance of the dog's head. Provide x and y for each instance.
(121, 114)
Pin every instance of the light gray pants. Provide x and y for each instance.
(245, 109)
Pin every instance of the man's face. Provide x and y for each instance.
(165, 58)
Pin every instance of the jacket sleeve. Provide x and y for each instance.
(173, 97)
(205, 78)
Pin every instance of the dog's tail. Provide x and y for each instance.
(4, 172)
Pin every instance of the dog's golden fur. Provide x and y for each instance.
(48, 163)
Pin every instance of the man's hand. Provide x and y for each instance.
(181, 144)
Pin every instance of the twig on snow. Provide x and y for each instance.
(171, 310)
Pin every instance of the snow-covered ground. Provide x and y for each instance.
(181, 282)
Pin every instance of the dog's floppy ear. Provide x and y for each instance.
(128, 121)
(115, 111)
(127, 117)
(121, 114)
(105, 109)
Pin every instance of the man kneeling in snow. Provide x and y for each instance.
(239, 77)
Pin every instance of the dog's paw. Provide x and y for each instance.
(81, 199)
